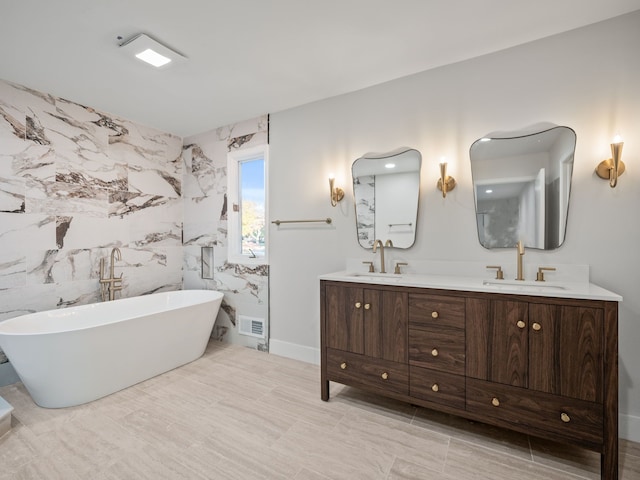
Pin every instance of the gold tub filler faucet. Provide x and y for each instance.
(110, 285)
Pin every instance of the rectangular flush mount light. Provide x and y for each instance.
(150, 51)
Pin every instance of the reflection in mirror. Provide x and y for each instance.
(386, 187)
(522, 182)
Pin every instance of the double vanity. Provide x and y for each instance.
(536, 356)
(540, 358)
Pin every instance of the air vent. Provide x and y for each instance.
(251, 326)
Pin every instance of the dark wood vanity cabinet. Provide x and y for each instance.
(539, 365)
(366, 337)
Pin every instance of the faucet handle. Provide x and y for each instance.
(371, 270)
(398, 265)
(540, 275)
(499, 272)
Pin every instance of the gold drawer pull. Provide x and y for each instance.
(565, 418)
(495, 402)
(367, 306)
(536, 326)
(521, 324)
(343, 365)
(434, 352)
(435, 387)
(358, 305)
(384, 375)
(434, 315)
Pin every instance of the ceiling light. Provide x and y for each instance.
(150, 51)
(390, 165)
(153, 57)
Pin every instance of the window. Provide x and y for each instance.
(247, 205)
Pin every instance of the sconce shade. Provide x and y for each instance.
(336, 193)
(445, 182)
(613, 167)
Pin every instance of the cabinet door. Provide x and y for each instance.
(509, 343)
(497, 341)
(344, 318)
(565, 351)
(386, 324)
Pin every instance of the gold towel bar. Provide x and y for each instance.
(324, 220)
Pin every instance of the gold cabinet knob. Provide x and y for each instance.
(343, 365)
(367, 306)
(384, 375)
(358, 305)
(495, 402)
(565, 418)
(520, 324)
(435, 387)
(536, 326)
(434, 315)
(434, 352)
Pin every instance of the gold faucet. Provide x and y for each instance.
(376, 244)
(520, 254)
(109, 286)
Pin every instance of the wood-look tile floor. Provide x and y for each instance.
(241, 414)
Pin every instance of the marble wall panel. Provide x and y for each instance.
(13, 270)
(12, 195)
(205, 224)
(26, 232)
(74, 183)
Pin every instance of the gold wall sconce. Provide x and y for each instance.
(336, 193)
(445, 182)
(611, 168)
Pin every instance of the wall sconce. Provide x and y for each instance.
(445, 183)
(613, 167)
(336, 193)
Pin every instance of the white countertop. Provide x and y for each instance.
(564, 289)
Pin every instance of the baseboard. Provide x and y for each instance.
(629, 427)
(295, 351)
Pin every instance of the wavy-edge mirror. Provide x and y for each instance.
(522, 186)
(386, 189)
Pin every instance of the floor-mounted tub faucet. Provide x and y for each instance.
(110, 285)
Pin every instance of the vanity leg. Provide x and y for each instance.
(325, 390)
(609, 465)
(609, 457)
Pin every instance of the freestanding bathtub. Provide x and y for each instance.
(75, 355)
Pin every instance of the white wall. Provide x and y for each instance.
(587, 79)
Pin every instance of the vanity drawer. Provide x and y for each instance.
(354, 369)
(440, 349)
(567, 418)
(436, 310)
(437, 387)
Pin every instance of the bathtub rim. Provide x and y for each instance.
(212, 296)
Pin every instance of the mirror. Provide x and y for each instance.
(386, 188)
(521, 183)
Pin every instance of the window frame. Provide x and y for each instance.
(234, 233)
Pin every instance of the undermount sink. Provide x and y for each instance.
(382, 277)
(522, 285)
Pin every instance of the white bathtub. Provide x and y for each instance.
(75, 355)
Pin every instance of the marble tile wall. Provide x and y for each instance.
(205, 224)
(74, 183)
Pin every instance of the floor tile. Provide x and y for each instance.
(241, 414)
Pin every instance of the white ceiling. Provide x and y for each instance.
(250, 57)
